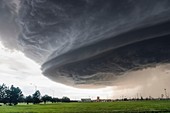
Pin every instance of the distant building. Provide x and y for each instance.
(86, 100)
(98, 99)
(102, 100)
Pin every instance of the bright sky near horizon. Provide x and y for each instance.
(17, 69)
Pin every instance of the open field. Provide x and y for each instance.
(101, 107)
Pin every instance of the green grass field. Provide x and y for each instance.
(102, 107)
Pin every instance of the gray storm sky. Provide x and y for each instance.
(17, 69)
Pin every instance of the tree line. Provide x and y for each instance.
(13, 95)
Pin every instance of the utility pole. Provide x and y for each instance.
(52, 92)
(35, 87)
(165, 93)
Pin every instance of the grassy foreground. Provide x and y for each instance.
(102, 107)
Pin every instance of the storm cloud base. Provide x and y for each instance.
(85, 42)
(102, 69)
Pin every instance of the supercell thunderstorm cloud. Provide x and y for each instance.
(92, 41)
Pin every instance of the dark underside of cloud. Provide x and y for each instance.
(94, 41)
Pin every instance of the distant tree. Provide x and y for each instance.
(65, 99)
(14, 94)
(21, 99)
(46, 98)
(7, 96)
(28, 99)
(3, 89)
(54, 100)
(11, 95)
(36, 97)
